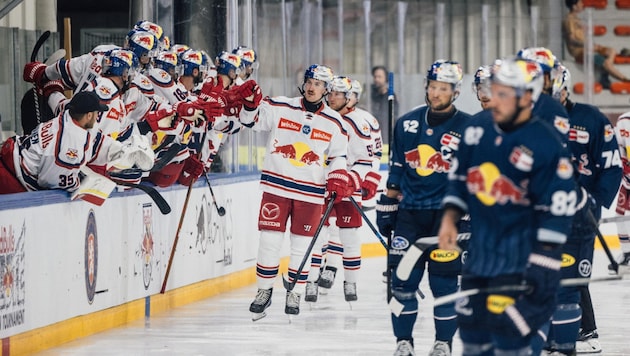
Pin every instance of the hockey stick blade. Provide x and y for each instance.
(40, 42)
(158, 199)
(569, 282)
(615, 219)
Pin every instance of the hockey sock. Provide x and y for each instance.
(268, 260)
(351, 253)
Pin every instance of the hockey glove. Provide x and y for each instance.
(535, 307)
(354, 183)
(189, 111)
(337, 182)
(251, 94)
(370, 185)
(386, 212)
(213, 106)
(193, 169)
(35, 72)
(162, 119)
(54, 86)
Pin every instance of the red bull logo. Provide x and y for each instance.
(437, 163)
(412, 158)
(248, 56)
(310, 157)
(561, 124)
(287, 151)
(298, 153)
(490, 187)
(609, 133)
(426, 160)
(145, 41)
(72, 153)
(194, 57)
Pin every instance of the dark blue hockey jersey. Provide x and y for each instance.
(552, 112)
(518, 188)
(595, 152)
(422, 156)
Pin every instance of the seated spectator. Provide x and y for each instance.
(573, 34)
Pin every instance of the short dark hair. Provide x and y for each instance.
(570, 3)
(383, 68)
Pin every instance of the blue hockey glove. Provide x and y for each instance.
(386, 212)
(536, 306)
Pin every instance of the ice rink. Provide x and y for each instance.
(222, 325)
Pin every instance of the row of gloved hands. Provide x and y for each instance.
(344, 183)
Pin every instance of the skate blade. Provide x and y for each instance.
(258, 316)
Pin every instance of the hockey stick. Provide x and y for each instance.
(40, 42)
(569, 282)
(602, 241)
(157, 198)
(369, 223)
(307, 256)
(615, 219)
(390, 143)
(220, 210)
(179, 226)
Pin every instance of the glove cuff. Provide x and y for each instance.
(544, 261)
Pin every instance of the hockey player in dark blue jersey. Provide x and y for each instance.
(546, 107)
(481, 86)
(597, 160)
(514, 177)
(425, 140)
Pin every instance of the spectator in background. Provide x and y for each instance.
(380, 104)
(574, 37)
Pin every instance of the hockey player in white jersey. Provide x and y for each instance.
(364, 152)
(295, 181)
(43, 160)
(622, 131)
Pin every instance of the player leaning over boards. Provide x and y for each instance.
(513, 167)
(425, 141)
(303, 131)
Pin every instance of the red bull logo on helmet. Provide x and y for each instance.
(145, 41)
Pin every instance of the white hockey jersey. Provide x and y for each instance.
(365, 145)
(300, 143)
(165, 86)
(52, 155)
(77, 72)
(622, 132)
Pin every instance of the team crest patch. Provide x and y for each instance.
(564, 169)
(91, 256)
(561, 124)
(72, 153)
(609, 133)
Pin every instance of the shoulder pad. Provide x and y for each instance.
(159, 76)
(105, 89)
(143, 83)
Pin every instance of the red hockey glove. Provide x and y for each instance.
(193, 169)
(338, 182)
(370, 185)
(250, 93)
(189, 111)
(35, 72)
(354, 183)
(162, 119)
(54, 86)
(212, 104)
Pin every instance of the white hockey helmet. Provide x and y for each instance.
(447, 72)
(561, 80)
(357, 88)
(341, 84)
(319, 72)
(520, 74)
(540, 55)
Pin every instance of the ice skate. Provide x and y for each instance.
(440, 348)
(624, 265)
(292, 306)
(588, 343)
(350, 291)
(404, 348)
(327, 277)
(311, 292)
(260, 303)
